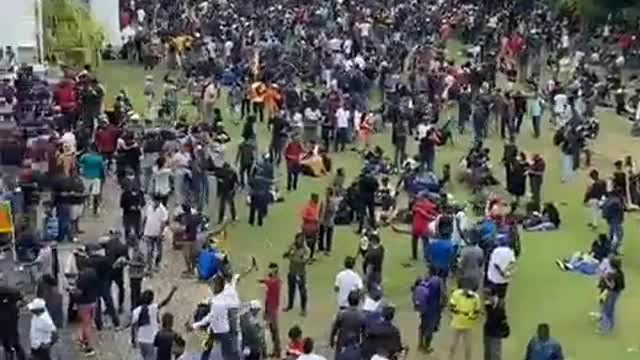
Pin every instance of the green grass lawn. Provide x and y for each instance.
(539, 291)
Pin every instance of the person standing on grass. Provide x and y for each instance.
(156, 218)
(542, 346)
(272, 284)
(613, 213)
(227, 186)
(311, 223)
(439, 253)
(399, 140)
(254, 346)
(465, 306)
(144, 323)
(536, 107)
(596, 191)
(293, 154)
(85, 296)
(614, 284)
(496, 326)
(328, 210)
(536, 176)
(501, 266)
(428, 297)
(347, 281)
(298, 256)
(246, 160)
(349, 324)
(471, 265)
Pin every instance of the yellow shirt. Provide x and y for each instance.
(465, 308)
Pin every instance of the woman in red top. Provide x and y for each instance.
(365, 129)
(295, 347)
(293, 154)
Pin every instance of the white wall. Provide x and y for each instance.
(107, 12)
(19, 27)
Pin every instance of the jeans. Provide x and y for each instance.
(492, 348)
(180, 185)
(616, 235)
(608, 309)
(135, 289)
(226, 199)
(535, 122)
(153, 245)
(147, 351)
(275, 150)
(43, 353)
(292, 177)
(400, 153)
(104, 294)
(132, 224)
(429, 159)
(118, 278)
(202, 195)
(535, 183)
(342, 138)
(325, 238)
(298, 282)
(147, 174)
(244, 174)
(567, 171)
(258, 208)
(366, 210)
(226, 347)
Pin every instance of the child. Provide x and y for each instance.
(165, 338)
(149, 95)
(295, 347)
(178, 348)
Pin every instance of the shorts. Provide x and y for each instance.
(76, 211)
(92, 186)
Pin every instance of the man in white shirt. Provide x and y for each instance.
(156, 218)
(501, 266)
(307, 351)
(42, 333)
(347, 280)
(343, 116)
(217, 322)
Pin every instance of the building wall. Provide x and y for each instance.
(19, 28)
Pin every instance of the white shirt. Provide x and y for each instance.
(218, 316)
(560, 102)
(347, 280)
(181, 159)
(147, 333)
(69, 140)
(230, 294)
(311, 357)
(162, 181)
(156, 217)
(141, 15)
(422, 130)
(378, 357)
(41, 331)
(342, 118)
(502, 257)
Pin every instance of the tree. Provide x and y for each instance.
(71, 33)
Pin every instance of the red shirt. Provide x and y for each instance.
(65, 97)
(293, 152)
(295, 348)
(106, 139)
(424, 212)
(272, 294)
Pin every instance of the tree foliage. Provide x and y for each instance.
(71, 32)
(597, 11)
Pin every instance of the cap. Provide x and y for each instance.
(255, 305)
(37, 304)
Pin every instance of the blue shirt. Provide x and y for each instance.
(91, 165)
(536, 107)
(543, 350)
(439, 253)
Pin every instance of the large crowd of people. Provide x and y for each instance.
(305, 71)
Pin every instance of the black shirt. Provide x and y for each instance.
(227, 181)
(374, 257)
(9, 299)
(596, 191)
(87, 287)
(495, 324)
(164, 342)
(131, 202)
(616, 281)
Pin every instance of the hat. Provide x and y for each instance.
(36, 304)
(255, 305)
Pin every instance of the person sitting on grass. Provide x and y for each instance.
(548, 220)
(589, 263)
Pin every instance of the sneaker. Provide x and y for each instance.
(287, 309)
(561, 265)
(89, 352)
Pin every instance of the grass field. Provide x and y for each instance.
(539, 291)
